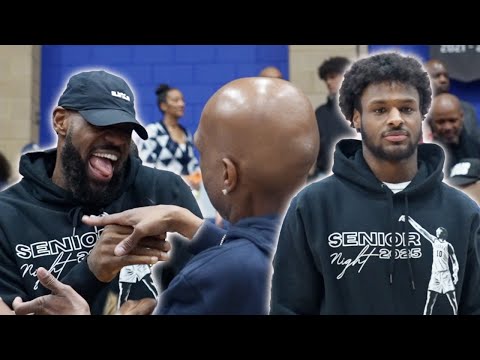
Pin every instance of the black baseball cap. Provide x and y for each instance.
(465, 172)
(102, 98)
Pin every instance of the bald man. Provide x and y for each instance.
(250, 179)
(271, 71)
(441, 84)
(446, 119)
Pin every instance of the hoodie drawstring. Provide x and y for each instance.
(407, 242)
(392, 254)
(394, 245)
(75, 215)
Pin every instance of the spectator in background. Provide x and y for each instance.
(465, 175)
(441, 84)
(331, 123)
(271, 71)
(170, 145)
(5, 171)
(447, 123)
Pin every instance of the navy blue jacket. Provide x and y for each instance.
(225, 277)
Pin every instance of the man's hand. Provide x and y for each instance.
(455, 279)
(149, 221)
(4, 309)
(62, 301)
(137, 307)
(103, 263)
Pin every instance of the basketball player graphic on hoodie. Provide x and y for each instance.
(442, 280)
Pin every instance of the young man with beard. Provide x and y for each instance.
(91, 171)
(344, 246)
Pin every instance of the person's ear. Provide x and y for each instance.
(60, 121)
(230, 176)
(357, 120)
(163, 106)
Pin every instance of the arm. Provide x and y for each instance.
(102, 266)
(421, 230)
(149, 221)
(454, 263)
(469, 301)
(207, 236)
(11, 281)
(297, 285)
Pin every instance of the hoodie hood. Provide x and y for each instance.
(351, 166)
(37, 169)
(262, 231)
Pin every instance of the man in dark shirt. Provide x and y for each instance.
(446, 119)
(331, 123)
(441, 84)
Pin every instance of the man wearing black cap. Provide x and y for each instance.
(91, 171)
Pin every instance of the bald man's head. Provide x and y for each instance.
(256, 137)
(439, 75)
(271, 71)
(446, 118)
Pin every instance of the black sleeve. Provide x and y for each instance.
(297, 286)
(83, 281)
(470, 297)
(11, 282)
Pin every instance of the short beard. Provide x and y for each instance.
(77, 180)
(380, 152)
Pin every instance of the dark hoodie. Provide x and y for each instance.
(40, 225)
(225, 277)
(333, 254)
(332, 126)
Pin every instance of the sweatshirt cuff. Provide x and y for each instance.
(83, 281)
(207, 236)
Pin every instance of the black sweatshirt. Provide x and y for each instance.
(333, 254)
(40, 225)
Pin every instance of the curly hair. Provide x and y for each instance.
(333, 65)
(386, 67)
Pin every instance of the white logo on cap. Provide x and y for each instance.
(460, 169)
(120, 95)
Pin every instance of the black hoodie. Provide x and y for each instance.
(40, 225)
(332, 126)
(333, 254)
